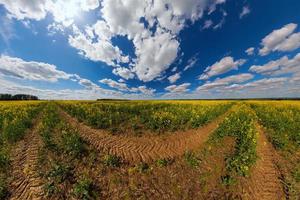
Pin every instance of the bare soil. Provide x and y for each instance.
(25, 180)
(146, 148)
(265, 181)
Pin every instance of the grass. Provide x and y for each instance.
(191, 159)
(112, 160)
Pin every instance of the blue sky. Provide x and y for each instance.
(145, 49)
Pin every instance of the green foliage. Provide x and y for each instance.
(50, 189)
(163, 162)
(296, 173)
(191, 159)
(283, 124)
(240, 123)
(112, 161)
(3, 189)
(228, 180)
(4, 160)
(15, 119)
(59, 172)
(83, 189)
(142, 167)
(72, 143)
(158, 117)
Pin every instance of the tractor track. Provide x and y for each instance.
(147, 148)
(26, 183)
(265, 180)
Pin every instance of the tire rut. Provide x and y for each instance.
(265, 180)
(148, 148)
(26, 183)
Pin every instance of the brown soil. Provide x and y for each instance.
(265, 180)
(146, 148)
(26, 183)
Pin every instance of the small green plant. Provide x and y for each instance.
(83, 189)
(143, 167)
(112, 160)
(50, 189)
(47, 139)
(296, 174)
(3, 189)
(59, 172)
(191, 159)
(228, 180)
(72, 143)
(4, 159)
(163, 162)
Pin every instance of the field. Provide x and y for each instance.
(150, 150)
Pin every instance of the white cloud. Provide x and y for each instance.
(178, 88)
(7, 31)
(291, 43)
(114, 84)
(23, 9)
(30, 70)
(240, 78)
(246, 11)
(191, 62)
(124, 87)
(281, 40)
(100, 50)
(154, 55)
(63, 11)
(224, 65)
(156, 46)
(123, 72)
(207, 24)
(154, 51)
(174, 77)
(282, 66)
(250, 51)
(220, 24)
(55, 28)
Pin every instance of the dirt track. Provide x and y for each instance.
(146, 149)
(26, 183)
(264, 182)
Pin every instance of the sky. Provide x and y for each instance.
(150, 49)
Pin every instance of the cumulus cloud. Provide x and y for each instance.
(123, 72)
(156, 45)
(281, 66)
(30, 70)
(173, 78)
(100, 50)
(63, 11)
(178, 88)
(240, 78)
(246, 11)
(224, 65)
(250, 51)
(283, 39)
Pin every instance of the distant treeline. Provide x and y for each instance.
(9, 97)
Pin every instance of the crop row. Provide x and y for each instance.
(158, 117)
(15, 119)
(62, 149)
(282, 122)
(240, 124)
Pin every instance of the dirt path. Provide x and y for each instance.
(264, 182)
(26, 183)
(147, 148)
